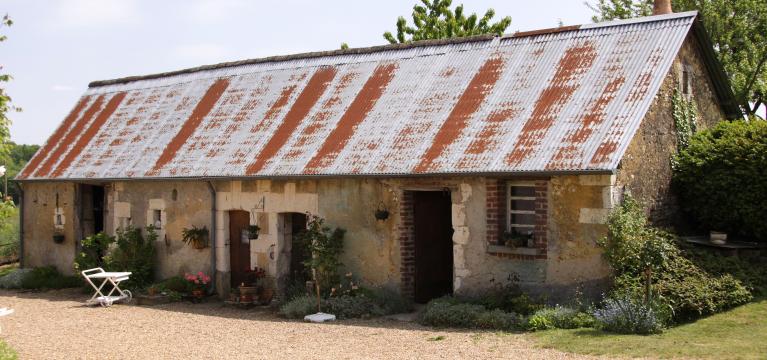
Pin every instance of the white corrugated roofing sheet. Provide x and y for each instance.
(567, 100)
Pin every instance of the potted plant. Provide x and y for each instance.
(266, 293)
(250, 288)
(197, 283)
(515, 239)
(197, 237)
(253, 231)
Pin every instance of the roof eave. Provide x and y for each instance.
(509, 174)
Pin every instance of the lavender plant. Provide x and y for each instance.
(628, 315)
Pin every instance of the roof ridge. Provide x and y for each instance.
(387, 47)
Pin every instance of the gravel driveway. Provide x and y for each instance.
(55, 325)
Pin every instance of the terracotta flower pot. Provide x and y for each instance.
(266, 296)
(198, 294)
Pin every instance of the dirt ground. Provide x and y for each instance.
(56, 325)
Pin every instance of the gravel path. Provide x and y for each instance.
(55, 325)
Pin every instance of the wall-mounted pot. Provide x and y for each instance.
(58, 238)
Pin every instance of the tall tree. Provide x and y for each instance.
(5, 100)
(435, 20)
(738, 29)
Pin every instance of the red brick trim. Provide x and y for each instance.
(407, 246)
(497, 217)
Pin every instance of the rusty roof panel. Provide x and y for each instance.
(564, 100)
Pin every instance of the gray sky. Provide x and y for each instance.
(57, 46)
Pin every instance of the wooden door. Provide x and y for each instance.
(433, 245)
(239, 246)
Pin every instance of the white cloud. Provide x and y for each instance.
(58, 87)
(90, 13)
(200, 53)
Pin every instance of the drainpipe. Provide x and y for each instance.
(212, 235)
(21, 225)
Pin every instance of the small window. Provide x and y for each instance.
(174, 195)
(686, 81)
(157, 219)
(520, 225)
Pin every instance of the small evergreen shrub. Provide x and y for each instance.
(391, 302)
(559, 317)
(351, 307)
(175, 283)
(627, 315)
(363, 304)
(299, 307)
(721, 181)
(508, 298)
(136, 254)
(48, 277)
(497, 319)
(452, 312)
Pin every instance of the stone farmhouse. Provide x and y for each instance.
(494, 158)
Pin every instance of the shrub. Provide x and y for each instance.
(497, 319)
(627, 315)
(135, 254)
(687, 288)
(325, 245)
(391, 302)
(452, 312)
(447, 314)
(720, 178)
(299, 307)
(751, 271)
(508, 298)
(48, 278)
(13, 279)
(92, 251)
(175, 283)
(559, 317)
(349, 307)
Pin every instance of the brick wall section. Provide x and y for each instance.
(407, 246)
(496, 217)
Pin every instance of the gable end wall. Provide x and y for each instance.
(645, 169)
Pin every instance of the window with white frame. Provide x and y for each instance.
(520, 217)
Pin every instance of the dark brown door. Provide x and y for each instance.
(239, 249)
(433, 245)
(298, 253)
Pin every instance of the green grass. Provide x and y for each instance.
(6, 352)
(5, 269)
(737, 334)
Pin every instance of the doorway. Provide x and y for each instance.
(291, 271)
(433, 232)
(91, 209)
(239, 246)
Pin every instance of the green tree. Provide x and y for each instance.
(738, 29)
(14, 160)
(5, 100)
(435, 20)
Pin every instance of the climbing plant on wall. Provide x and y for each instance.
(685, 119)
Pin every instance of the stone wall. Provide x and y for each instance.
(645, 169)
(181, 205)
(571, 212)
(43, 218)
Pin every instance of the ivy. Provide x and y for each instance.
(685, 119)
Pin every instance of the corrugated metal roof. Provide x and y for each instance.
(537, 102)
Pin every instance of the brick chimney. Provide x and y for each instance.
(662, 7)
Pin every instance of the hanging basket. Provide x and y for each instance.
(381, 212)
